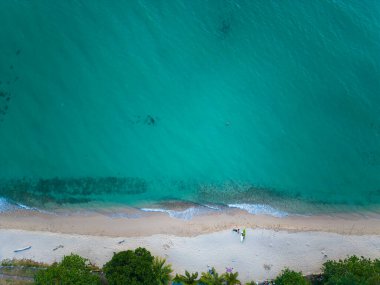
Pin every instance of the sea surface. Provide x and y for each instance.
(263, 105)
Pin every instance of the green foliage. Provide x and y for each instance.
(231, 278)
(20, 271)
(161, 271)
(290, 277)
(72, 270)
(212, 279)
(22, 262)
(24, 268)
(139, 267)
(130, 267)
(8, 281)
(352, 270)
(187, 279)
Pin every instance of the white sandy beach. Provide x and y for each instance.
(263, 255)
(263, 249)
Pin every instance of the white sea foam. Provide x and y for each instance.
(256, 209)
(189, 213)
(212, 207)
(5, 205)
(186, 214)
(22, 206)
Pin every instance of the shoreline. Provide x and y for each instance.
(131, 224)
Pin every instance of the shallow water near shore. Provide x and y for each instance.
(271, 103)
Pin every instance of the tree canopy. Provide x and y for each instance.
(130, 267)
(231, 278)
(72, 270)
(187, 279)
(162, 271)
(212, 278)
(352, 270)
(290, 277)
(139, 267)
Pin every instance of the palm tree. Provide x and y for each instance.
(162, 271)
(231, 278)
(251, 283)
(212, 279)
(187, 279)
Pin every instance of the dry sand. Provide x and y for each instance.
(301, 243)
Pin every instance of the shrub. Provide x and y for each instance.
(72, 270)
(231, 278)
(130, 267)
(23, 263)
(352, 270)
(15, 282)
(290, 277)
(212, 278)
(187, 279)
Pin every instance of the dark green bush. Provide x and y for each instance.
(290, 277)
(72, 270)
(131, 267)
(352, 270)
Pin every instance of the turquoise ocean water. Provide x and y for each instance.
(132, 102)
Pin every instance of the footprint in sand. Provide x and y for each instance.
(267, 267)
(324, 254)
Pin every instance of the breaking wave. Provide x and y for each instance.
(257, 209)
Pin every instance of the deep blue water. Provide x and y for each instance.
(206, 101)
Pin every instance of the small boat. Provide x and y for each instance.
(22, 249)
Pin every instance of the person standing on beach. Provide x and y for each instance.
(242, 235)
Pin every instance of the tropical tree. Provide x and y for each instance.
(290, 277)
(212, 279)
(231, 278)
(251, 283)
(352, 270)
(73, 270)
(130, 267)
(162, 271)
(187, 279)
